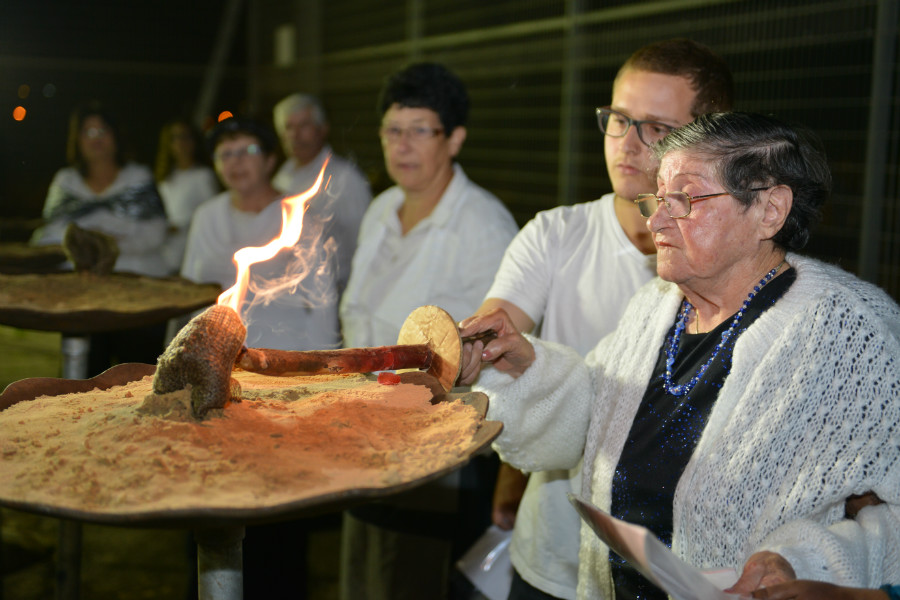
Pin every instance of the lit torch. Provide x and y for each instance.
(206, 349)
(292, 210)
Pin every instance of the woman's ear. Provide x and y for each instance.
(456, 140)
(778, 201)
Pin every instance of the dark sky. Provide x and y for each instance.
(155, 31)
(146, 60)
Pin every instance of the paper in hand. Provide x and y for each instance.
(650, 557)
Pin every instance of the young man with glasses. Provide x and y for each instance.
(571, 270)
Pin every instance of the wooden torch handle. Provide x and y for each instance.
(346, 360)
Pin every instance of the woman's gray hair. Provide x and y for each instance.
(752, 150)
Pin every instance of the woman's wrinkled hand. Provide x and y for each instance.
(803, 589)
(509, 352)
(762, 570)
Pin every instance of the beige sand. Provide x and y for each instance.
(290, 439)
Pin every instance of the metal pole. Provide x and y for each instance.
(415, 13)
(220, 566)
(877, 139)
(75, 357)
(216, 67)
(68, 564)
(569, 122)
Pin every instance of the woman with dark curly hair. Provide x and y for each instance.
(747, 393)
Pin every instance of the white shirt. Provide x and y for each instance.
(186, 189)
(303, 317)
(448, 259)
(342, 204)
(182, 192)
(129, 210)
(572, 270)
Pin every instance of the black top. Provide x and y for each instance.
(666, 430)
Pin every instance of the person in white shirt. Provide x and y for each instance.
(434, 238)
(570, 272)
(185, 181)
(249, 213)
(101, 190)
(302, 126)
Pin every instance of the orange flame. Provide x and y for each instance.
(292, 210)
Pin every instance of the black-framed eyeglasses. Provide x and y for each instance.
(616, 124)
(678, 204)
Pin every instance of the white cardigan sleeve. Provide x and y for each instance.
(861, 553)
(545, 412)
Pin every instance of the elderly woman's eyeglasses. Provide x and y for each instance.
(417, 133)
(221, 156)
(678, 204)
(616, 124)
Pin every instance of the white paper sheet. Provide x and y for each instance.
(652, 558)
(487, 563)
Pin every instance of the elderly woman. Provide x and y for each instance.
(299, 316)
(747, 392)
(436, 237)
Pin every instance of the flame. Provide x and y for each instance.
(292, 210)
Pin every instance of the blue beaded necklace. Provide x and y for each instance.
(675, 340)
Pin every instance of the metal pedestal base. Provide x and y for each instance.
(220, 566)
(68, 565)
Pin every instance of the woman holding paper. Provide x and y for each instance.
(747, 393)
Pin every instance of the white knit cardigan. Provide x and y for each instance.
(808, 416)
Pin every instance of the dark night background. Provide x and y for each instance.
(535, 70)
(145, 60)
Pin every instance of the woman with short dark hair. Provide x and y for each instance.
(436, 237)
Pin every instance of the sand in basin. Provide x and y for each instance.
(124, 450)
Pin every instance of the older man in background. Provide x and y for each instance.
(303, 127)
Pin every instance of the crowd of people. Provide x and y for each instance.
(664, 351)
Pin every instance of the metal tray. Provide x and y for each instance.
(28, 389)
(88, 310)
(21, 257)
